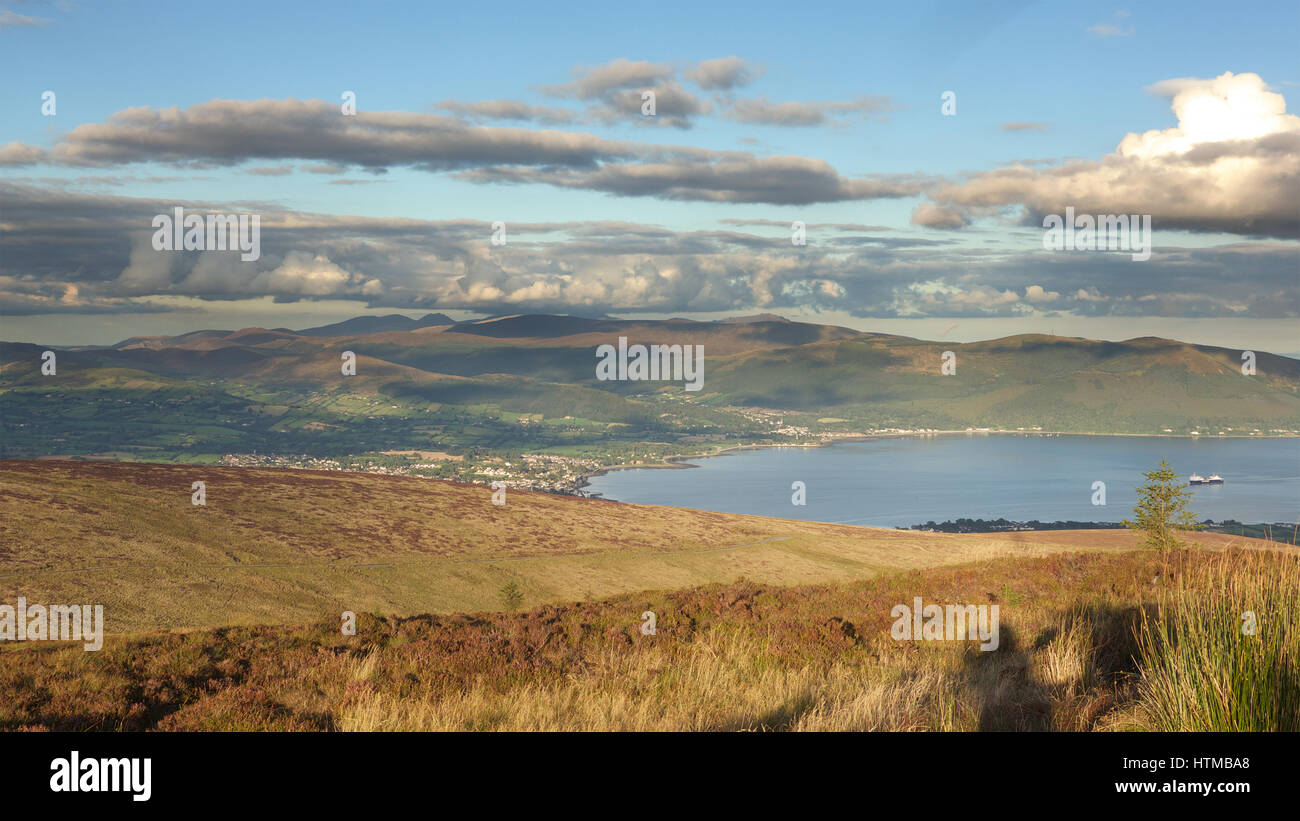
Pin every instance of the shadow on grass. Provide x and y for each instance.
(1013, 696)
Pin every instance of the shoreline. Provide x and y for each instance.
(679, 462)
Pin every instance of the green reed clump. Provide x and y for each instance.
(1220, 651)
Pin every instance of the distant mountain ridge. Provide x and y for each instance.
(268, 389)
(375, 325)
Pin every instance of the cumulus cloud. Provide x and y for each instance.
(10, 20)
(1231, 164)
(674, 106)
(298, 274)
(1230, 107)
(100, 246)
(509, 110)
(16, 153)
(225, 132)
(724, 73)
(1025, 126)
(1037, 294)
(778, 180)
(1119, 28)
(20, 297)
(305, 274)
(147, 271)
(591, 83)
(929, 215)
(228, 132)
(838, 226)
(761, 111)
(614, 91)
(940, 298)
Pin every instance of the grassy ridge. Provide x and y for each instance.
(283, 546)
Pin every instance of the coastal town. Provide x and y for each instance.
(529, 471)
(568, 474)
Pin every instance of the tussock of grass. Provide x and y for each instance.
(1201, 671)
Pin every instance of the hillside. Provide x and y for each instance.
(283, 546)
(745, 656)
(464, 386)
(1143, 385)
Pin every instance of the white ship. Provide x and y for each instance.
(1195, 479)
(1215, 479)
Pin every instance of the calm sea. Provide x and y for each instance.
(907, 481)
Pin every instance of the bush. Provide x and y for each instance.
(511, 596)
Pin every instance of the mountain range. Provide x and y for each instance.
(247, 387)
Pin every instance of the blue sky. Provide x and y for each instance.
(1082, 79)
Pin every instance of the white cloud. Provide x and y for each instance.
(1229, 107)
(1229, 165)
(305, 274)
(1036, 294)
(724, 73)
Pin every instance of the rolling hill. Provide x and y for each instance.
(431, 385)
(229, 616)
(284, 546)
(374, 325)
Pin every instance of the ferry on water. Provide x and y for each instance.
(1196, 479)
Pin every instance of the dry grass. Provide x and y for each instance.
(290, 547)
(728, 684)
(735, 657)
(284, 546)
